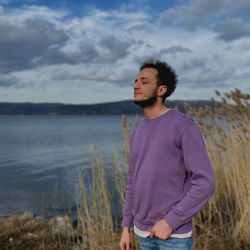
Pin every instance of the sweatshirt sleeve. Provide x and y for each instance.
(202, 180)
(128, 217)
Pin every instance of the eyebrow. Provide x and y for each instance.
(142, 78)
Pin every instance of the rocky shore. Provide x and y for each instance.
(27, 231)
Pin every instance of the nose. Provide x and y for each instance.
(136, 85)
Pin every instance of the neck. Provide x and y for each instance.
(155, 110)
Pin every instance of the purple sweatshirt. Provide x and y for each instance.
(169, 176)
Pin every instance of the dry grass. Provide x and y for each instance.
(27, 232)
(225, 221)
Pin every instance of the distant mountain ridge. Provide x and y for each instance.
(120, 107)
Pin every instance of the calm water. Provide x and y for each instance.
(41, 155)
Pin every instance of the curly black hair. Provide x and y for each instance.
(166, 75)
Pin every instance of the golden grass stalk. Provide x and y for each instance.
(94, 210)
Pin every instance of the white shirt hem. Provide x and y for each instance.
(145, 234)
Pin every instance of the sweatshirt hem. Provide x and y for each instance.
(183, 229)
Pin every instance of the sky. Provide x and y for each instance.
(83, 52)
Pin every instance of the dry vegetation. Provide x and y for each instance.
(224, 223)
(26, 232)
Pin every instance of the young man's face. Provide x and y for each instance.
(145, 88)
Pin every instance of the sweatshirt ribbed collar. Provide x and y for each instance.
(160, 117)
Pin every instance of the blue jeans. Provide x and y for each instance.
(171, 243)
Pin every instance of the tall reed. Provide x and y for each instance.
(225, 221)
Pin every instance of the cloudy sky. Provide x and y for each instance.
(76, 51)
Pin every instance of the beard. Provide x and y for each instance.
(148, 102)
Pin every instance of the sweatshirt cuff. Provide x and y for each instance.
(174, 220)
(127, 221)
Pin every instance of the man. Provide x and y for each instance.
(170, 177)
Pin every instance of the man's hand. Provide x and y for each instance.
(125, 243)
(161, 229)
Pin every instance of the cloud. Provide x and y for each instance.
(120, 78)
(31, 12)
(53, 49)
(30, 44)
(232, 29)
(209, 78)
(152, 52)
(30, 41)
(174, 50)
(194, 14)
(116, 48)
(205, 13)
(8, 81)
(194, 64)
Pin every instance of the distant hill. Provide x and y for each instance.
(121, 107)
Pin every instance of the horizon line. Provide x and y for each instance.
(28, 102)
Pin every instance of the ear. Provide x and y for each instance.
(162, 89)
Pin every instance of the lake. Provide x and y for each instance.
(40, 157)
